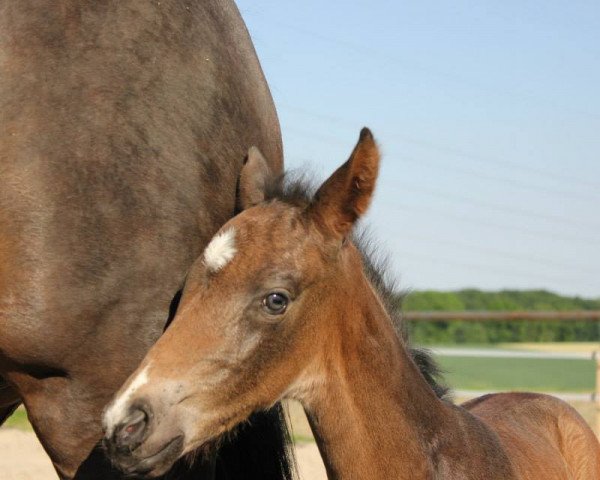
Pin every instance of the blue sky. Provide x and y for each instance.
(488, 116)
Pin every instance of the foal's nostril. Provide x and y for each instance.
(131, 431)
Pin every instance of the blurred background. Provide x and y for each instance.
(487, 114)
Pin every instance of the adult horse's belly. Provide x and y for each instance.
(124, 125)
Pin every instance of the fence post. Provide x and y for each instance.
(597, 391)
(596, 356)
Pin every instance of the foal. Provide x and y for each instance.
(279, 306)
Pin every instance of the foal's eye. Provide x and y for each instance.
(275, 303)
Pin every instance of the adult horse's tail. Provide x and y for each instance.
(261, 449)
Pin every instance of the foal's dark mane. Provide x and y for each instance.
(298, 190)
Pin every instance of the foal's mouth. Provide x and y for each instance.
(157, 463)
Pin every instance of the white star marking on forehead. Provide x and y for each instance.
(220, 250)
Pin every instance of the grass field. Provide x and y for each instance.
(18, 420)
(469, 373)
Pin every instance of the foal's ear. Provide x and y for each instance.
(346, 195)
(254, 179)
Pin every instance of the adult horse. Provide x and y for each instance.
(124, 128)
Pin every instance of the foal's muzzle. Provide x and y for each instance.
(133, 447)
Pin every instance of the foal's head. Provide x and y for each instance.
(255, 319)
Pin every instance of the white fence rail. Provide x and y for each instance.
(491, 353)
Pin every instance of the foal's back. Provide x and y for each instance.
(544, 436)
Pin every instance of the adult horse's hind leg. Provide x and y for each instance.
(64, 420)
(9, 400)
(7, 411)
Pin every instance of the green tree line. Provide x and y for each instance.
(450, 332)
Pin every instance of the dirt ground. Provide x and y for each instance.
(22, 458)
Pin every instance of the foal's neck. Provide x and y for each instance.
(373, 415)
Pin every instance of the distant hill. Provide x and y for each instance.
(494, 332)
